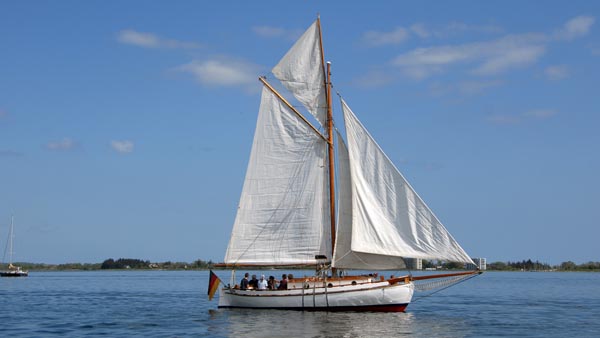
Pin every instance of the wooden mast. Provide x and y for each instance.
(331, 159)
(327, 73)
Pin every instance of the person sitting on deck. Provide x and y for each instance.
(244, 282)
(283, 283)
(271, 283)
(253, 283)
(262, 283)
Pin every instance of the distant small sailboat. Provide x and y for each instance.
(13, 271)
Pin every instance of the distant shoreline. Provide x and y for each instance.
(224, 269)
(124, 264)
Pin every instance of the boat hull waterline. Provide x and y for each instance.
(14, 274)
(378, 297)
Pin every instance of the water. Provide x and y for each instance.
(174, 304)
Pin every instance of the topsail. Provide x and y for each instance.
(301, 72)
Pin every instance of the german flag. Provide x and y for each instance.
(213, 285)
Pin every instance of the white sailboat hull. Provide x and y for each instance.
(374, 296)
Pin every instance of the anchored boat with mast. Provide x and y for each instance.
(293, 212)
(13, 271)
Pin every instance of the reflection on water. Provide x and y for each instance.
(276, 323)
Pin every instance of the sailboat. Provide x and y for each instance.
(13, 271)
(306, 204)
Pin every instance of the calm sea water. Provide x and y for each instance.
(174, 304)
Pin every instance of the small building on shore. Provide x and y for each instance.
(480, 264)
(414, 263)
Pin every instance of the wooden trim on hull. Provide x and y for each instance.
(367, 308)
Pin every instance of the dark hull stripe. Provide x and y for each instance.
(362, 308)
(12, 275)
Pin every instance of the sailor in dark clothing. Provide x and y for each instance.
(283, 283)
(244, 282)
(271, 283)
(253, 284)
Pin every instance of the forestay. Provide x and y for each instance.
(388, 218)
(281, 218)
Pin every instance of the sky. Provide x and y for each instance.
(126, 126)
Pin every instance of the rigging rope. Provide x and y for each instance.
(442, 284)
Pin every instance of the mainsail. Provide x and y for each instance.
(281, 218)
(382, 219)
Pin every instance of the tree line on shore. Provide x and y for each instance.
(121, 263)
(529, 265)
(138, 264)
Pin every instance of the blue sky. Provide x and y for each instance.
(125, 127)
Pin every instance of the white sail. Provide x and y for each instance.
(301, 72)
(344, 256)
(388, 218)
(281, 218)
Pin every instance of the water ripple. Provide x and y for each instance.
(174, 304)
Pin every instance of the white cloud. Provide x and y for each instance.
(149, 40)
(421, 72)
(223, 72)
(490, 57)
(397, 36)
(420, 30)
(476, 87)
(576, 27)
(595, 49)
(452, 29)
(10, 153)
(460, 28)
(64, 144)
(375, 78)
(123, 147)
(504, 119)
(138, 39)
(558, 72)
(511, 57)
(276, 32)
(401, 34)
(269, 31)
(540, 113)
(433, 56)
(507, 119)
(462, 88)
(483, 58)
